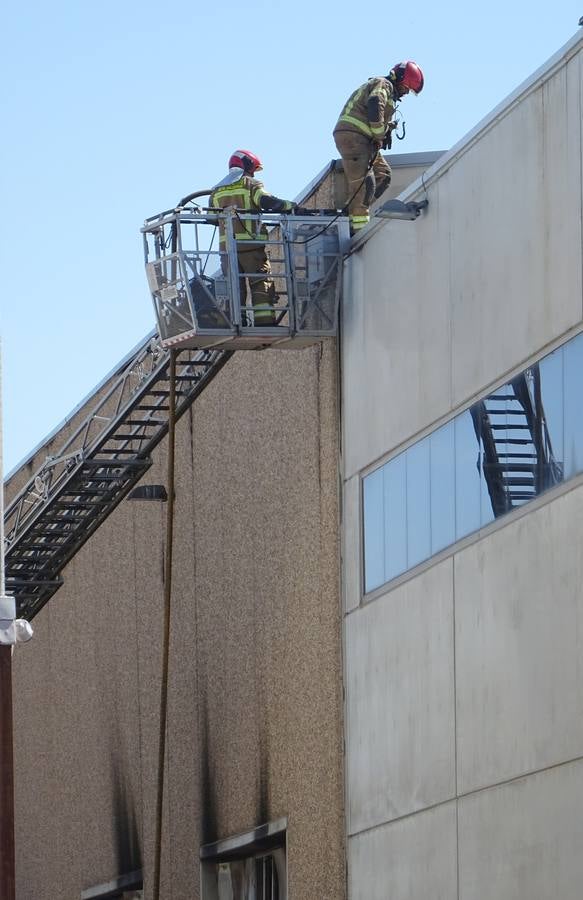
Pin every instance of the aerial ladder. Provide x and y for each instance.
(74, 490)
(202, 315)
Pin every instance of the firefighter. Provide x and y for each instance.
(240, 189)
(364, 127)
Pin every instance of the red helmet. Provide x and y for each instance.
(245, 160)
(409, 75)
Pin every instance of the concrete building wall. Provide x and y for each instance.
(255, 710)
(463, 678)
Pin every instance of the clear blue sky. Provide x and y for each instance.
(114, 110)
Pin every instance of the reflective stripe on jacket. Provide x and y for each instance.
(369, 109)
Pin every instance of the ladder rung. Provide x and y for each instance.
(129, 437)
(64, 517)
(97, 477)
(518, 455)
(156, 393)
(79, 504)
(121, 450)
(155, 407)
(45, 546)
(147, 422)
(34, 582)
(78, 490)
(511, 467)
(116, 463)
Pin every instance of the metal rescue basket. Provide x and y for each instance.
(201, 297)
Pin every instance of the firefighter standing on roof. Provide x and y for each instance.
(364, 127)
(241, 190)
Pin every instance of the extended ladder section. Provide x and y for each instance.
(75, 490)
(204, 296)
(518, 459)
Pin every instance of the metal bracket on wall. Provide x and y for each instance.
(397, 209)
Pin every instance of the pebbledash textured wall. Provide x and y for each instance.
(255, 696)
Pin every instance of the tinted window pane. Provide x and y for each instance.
(418, 503)
(486, 507)
(483, 416)
(467, 476)
(491, 415)
(395, 488)
(374, 566)
(573, 361)
(551, 381)
(442, 487)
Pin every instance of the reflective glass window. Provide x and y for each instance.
(374, 563)
(573, 402)
(395, 507)
(418, 503)
(519, 440)
(468, 472)
(553, 414)
(487, 463)
(442, 483)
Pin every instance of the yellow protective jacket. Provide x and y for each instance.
(247, 195)
(369, 109)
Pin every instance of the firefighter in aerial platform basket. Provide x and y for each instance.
(241, 190)
(364, 127)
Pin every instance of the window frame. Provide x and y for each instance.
(267, 840)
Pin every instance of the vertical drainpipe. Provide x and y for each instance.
(7, 611)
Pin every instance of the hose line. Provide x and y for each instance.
(166, 643)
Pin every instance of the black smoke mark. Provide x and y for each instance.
(127, 845)
(208, 801)
(263, 805)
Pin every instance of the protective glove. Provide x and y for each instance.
(388, 141)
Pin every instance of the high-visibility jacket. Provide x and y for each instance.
(369, 109)
(247, 195)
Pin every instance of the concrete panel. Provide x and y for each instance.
(351, 562)
(516, 272)
(400, 701)
(561, 194)
(412, 859)
(396, 336)
(519, 646)
(523, 839)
